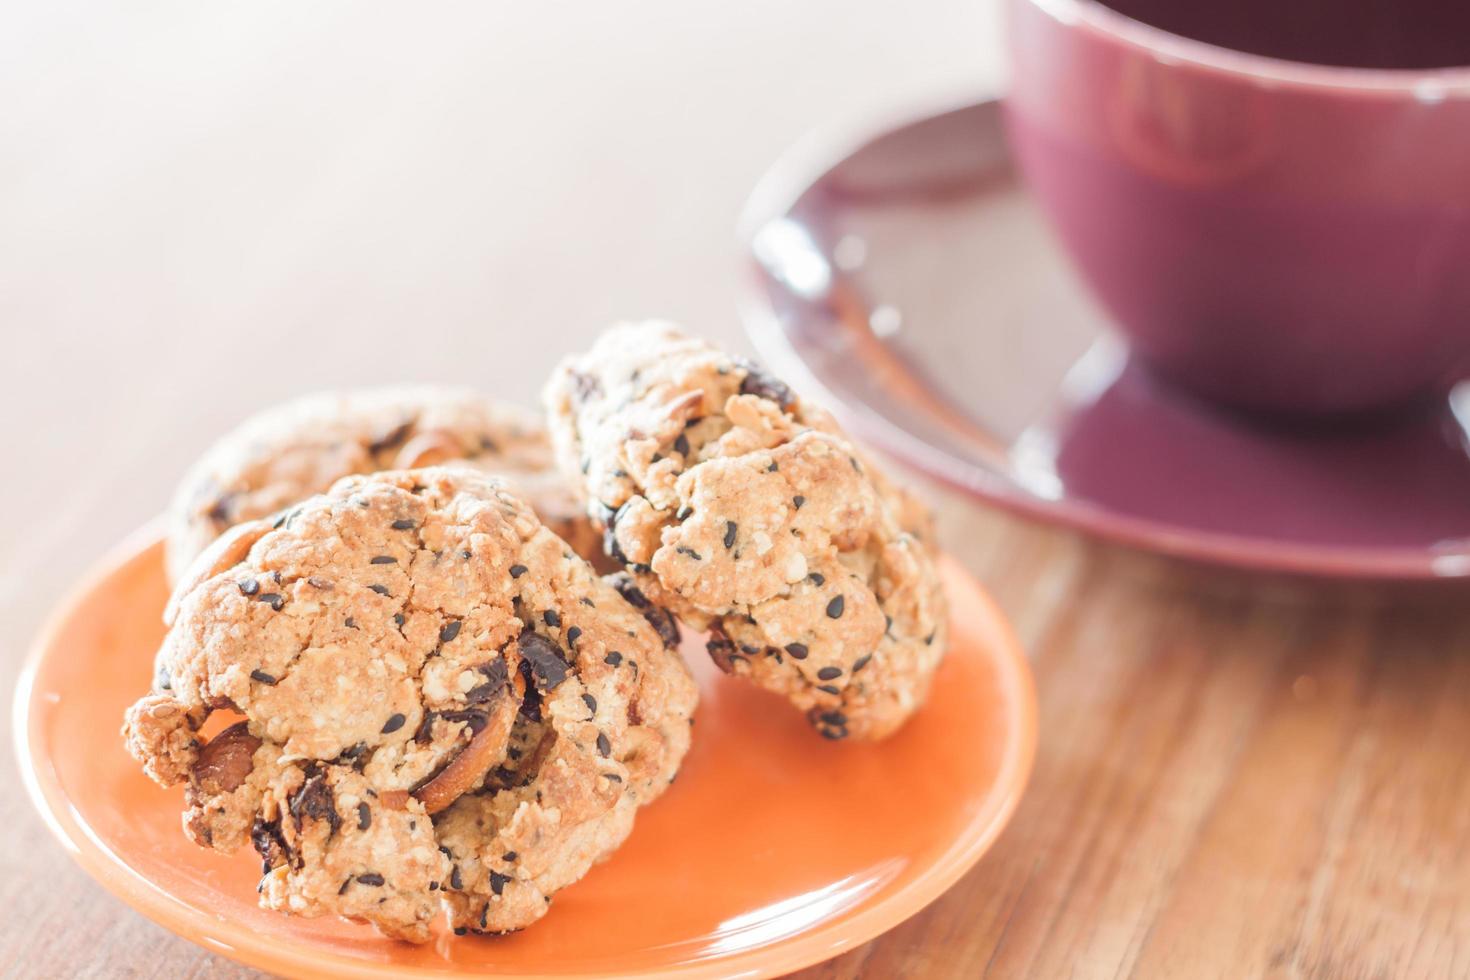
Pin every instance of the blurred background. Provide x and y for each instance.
(209, 208)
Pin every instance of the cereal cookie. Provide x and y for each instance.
(286, 454)
(434, 702)
(747, 512)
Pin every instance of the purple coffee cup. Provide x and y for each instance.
(1277, 236)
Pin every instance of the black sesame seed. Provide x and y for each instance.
(340, 891)
(461, 931)
(403, 524)
(450, 631)
(262, 676)
(773, 468)
(681, 549)
(552, 618)
(731, 528)
(683, 513)
(249, 586)
(681, 445)
(572, 633)
(604, 746)
(273, 599)
(398, 619)
(829, 673)
(613, 659)
(383, 560)
(797, 650)
(466, 555)
(613, 776)
(590, 702)
(833, 718)
(833, 733)
(929, 639)
(509, 856)
(797, 501)
(498, 882)
(350, 623)
(455, 881)
(516, 571)
(834, 608)
(364, 816)
(855, 464)
(372, 878)
(381, 590)
(829, 688)
(433, 886)
(817, 578)
(861, 662)
(393, 723)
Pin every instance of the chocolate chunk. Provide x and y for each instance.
(548, 664)
(496, 676)
(314, 800)
(391, 438)
(266, 838)
(721, 650)
(762, 384)
(472, 717)
(625, 587)
(663, 624)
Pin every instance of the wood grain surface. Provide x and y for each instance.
(206, 209)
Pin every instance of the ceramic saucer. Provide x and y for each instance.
(910, 279)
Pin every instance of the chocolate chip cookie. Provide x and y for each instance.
(747, 512)
(433, 704)
(285, 454)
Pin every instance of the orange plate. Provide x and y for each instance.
(774, 849)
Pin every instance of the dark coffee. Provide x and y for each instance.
(1352, 33)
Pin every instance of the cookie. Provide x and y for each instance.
(433, 704)
(284, 455)
(746, 511)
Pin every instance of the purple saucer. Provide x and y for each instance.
(909, 282)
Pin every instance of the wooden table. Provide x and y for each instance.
(206, 210)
